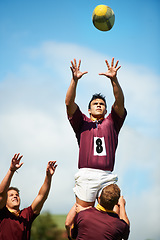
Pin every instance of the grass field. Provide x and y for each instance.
(60, 220)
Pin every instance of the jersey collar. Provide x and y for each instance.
(97, 120)
(100, 208)
(15, 213)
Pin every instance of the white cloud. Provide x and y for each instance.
(33, 121)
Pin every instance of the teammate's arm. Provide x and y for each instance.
(117, 90)
(122, 210)
(71, 93)
(45, 188)
(15, 164)
(70, 220)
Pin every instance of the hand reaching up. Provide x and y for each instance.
(112, 70)
(76, 73)
(15, 163)
(51, 166)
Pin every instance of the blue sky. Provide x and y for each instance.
(38, 39)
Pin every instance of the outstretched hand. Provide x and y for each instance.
(76, 73)
(112, 70)
(15, 163)
(51, 166)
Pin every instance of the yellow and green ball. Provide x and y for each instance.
(103, 17)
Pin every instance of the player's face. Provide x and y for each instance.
(13, 199)
(97, 108)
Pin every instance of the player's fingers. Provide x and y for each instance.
(112, 62)
(71, 69)
(14, 156)
(79, 64)
(118, 68)
(107, 64)
(116, 63)
(84, 73)
(72, 64)
(20, 158)
(75, 63)
(53, 164)
(20, 164)
(102, 74)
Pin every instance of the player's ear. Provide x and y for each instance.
(89, 111)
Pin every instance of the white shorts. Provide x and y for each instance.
(89, 183)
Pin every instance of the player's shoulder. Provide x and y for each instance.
(88, 212)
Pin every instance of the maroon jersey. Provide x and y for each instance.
(16, 227)
(97, 140)
(97, 225)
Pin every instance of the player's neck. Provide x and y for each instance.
(94, 119)
(14, 211)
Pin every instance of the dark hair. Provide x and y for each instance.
(13, 188)
(97, 96)
(110, 196)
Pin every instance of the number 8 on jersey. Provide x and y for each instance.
(99, 146)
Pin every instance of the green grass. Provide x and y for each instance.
(60, 221)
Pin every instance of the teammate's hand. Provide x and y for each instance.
(15, 163)
(121, 201)
(51, 167)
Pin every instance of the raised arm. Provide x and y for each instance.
(122, 211)
(71, 93)
(70, 220)
(15, 164)
(45, 188)
(117, 91)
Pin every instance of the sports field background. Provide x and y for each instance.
(60, 220)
